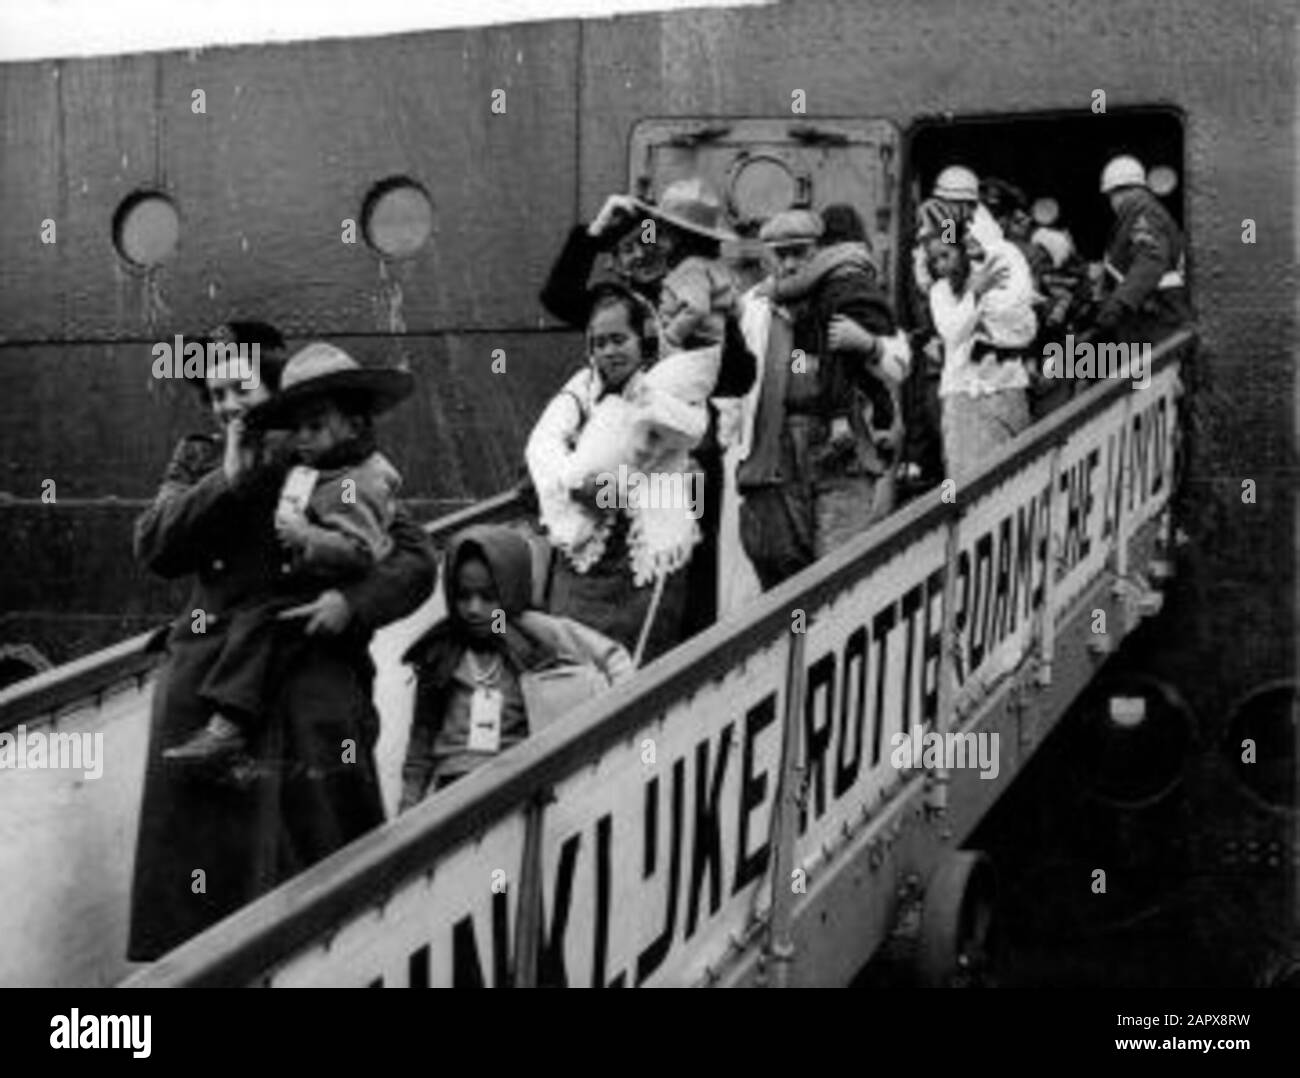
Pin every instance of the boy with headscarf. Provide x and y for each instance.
(482, 672)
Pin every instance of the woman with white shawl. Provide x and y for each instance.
(618, 493)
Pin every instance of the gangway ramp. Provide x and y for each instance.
(635, 841)
(714, 708)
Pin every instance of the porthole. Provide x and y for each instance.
(1269, 719)
(146, 228)
(760, 186)
(397, 217)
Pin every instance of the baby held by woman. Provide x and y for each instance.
(633, 449)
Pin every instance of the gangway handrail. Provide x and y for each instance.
(244, 946)
(70, 683)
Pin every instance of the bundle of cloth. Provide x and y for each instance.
(634, 452)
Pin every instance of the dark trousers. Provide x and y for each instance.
(702, 571)
(237, 684)
(923, 440)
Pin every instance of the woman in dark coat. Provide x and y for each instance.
(207, 847)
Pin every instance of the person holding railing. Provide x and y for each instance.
(207, 846)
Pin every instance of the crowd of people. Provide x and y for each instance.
(791, 412)
(995, 291)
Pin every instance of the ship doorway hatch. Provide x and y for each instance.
(759, 167)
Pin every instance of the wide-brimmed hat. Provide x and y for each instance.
(691, 205)
(322, 369)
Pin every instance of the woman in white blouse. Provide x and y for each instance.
(982, 305)
(615, 549)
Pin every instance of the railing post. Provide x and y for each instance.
(1047, 636)
(528, 916)
(937, 793)
(1123, 478)
(785, 815)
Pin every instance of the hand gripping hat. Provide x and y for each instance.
(691, 205)
(956, 183)
(321, 369)
(1123, 171)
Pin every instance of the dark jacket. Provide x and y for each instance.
(1146, 249)
(838, 282)
(313, 797)
(533, 641)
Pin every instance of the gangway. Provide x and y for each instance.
(733, 815)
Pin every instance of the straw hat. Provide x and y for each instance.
(693, 206)
(321, 369)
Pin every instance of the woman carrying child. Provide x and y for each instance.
(334, 516)
(818, 468)
(675, 269)
(982, 306)
(210, 844)
(613, 559)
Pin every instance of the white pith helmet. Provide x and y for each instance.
(956, 183)
(1123, 171)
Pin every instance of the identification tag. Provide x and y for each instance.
(485, 720)
(296, 492)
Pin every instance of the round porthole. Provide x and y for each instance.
(146, 228)
(397, 217)
(760, 186)
(1133, 742)
(1269, 719)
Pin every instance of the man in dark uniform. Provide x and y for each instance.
(1145, 291)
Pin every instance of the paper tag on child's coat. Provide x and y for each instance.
(485, 720)
(296, 492)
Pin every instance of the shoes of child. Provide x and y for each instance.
(217, 744)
